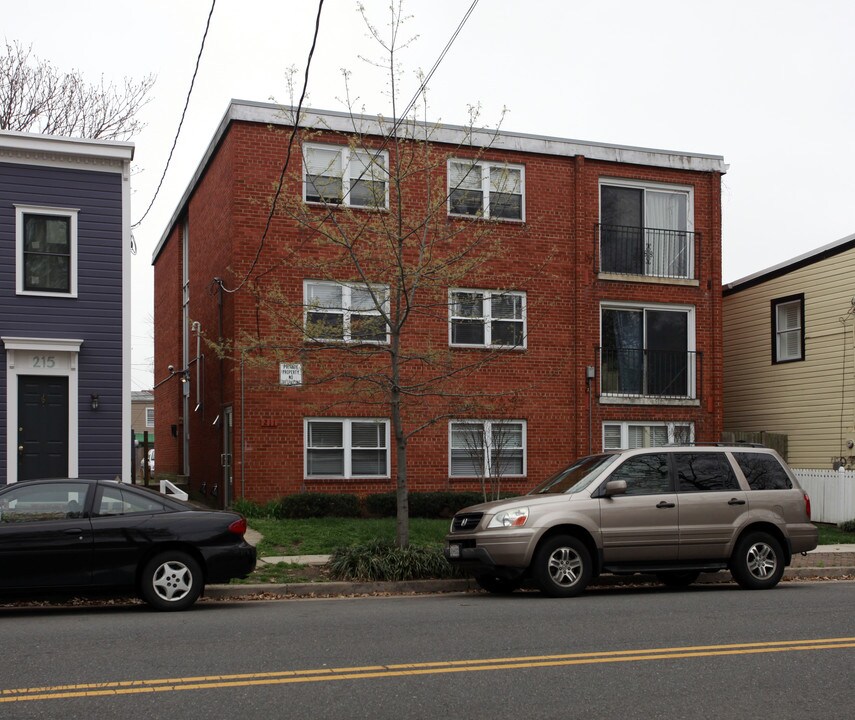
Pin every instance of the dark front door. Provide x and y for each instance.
(42, 427)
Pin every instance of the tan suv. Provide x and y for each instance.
(674, 511)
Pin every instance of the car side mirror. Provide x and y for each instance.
(615, 487)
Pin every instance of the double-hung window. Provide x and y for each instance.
(483, 189)
(341, 175)
(487, 318)
(46, 240)
(647, 351)
(345, 312)
(346, 448)
(788, 329)
(149, 417)
(487, 448)
(646, 230)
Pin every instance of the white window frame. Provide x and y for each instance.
(71, 214)
(346, 310)
(487, 318)
(149, 417)
(486, 168)
(347, 448)
(691, 391)
(487, 426)
(687, 190)
(625, 425)
(351, 170)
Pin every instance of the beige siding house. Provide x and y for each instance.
(789, 355)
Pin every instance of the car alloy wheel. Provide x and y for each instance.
(562, 567)
(758, 562)
(171, 581)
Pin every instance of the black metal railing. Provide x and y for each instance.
(649, 373)
(648, 252)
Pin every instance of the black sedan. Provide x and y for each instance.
(78, 535)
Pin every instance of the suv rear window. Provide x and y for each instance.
(704, 472)
(763, 472)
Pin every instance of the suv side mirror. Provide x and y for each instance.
(614, 487)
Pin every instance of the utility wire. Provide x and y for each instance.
(287, 160)
(386, 140)
(183, 114)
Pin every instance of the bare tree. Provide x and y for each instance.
(37, 97)
(381, 259)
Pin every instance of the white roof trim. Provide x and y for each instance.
(21, 142)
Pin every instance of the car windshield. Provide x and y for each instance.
(576, 477)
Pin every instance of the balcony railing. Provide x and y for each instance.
(629, 372)
(647, 252)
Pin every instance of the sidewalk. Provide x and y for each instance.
(827, 562)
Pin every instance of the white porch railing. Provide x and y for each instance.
(832, 494)
(168, 488)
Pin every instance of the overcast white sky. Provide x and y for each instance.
(768, 84)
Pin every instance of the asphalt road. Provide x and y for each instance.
(706, 652)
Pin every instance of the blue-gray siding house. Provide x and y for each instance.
(64, 307)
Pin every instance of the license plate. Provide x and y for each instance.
(454, 551)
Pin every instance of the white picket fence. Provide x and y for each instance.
(832, 494)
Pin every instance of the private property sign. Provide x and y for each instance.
(290, 374)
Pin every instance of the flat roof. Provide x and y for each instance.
(24, 142)
(272, 114)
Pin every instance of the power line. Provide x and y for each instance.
(386, 140)
(287, 159)
(183, 114)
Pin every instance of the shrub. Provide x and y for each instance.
(312, 505)
(248, 508)
(380, 560)
(847, 526)
(422, 504)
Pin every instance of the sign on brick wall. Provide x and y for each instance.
(290, 374)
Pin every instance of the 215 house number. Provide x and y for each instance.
(44, 361)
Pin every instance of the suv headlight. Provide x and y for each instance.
(515, 517)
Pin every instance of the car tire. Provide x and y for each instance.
(678, 578)
(562, 567)
(498, 585)
(171, 581)
(757, 562)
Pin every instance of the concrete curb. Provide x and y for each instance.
(415, 587)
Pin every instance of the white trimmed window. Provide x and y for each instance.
(345, 312)
(341, 175)
(489, 190)
(487, 448)
(628, 435)
(346, 448)
(46, 248)
(149, 417)
(487, 318)
(788, 318)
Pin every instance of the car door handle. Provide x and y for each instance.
(664, 504)
(735, 501)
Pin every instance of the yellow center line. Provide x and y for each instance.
(131, 687)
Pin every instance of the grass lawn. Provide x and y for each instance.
(320, 536)
(833, 535)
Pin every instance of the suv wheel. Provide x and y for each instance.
(562, 567)
(757, 562)
(497, 585)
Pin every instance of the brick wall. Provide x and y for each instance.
(551, 256)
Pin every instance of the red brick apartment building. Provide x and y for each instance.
(587, 315)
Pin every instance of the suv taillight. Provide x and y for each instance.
(238, 527)
(807, 506)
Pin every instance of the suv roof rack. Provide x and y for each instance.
(735, 443)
